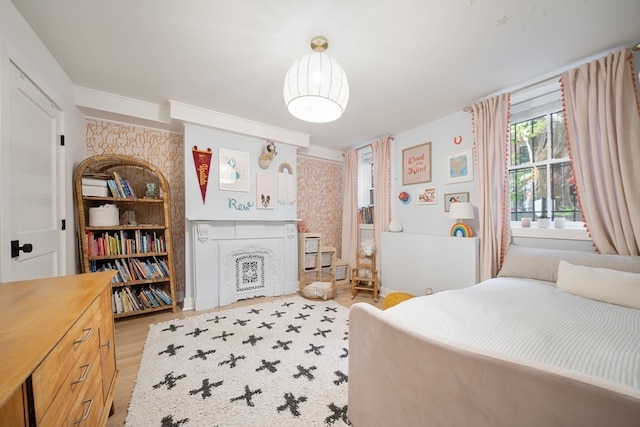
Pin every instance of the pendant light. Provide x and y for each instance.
(316, 87)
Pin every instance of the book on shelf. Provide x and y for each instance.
(128, 188)
(162, 294)
(94, 191)
(94, 182)
(113, 188)
(118, 179)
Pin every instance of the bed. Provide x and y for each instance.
(554, 340)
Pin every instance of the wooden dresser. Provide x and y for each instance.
(57, 353)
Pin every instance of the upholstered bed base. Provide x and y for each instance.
(400, 378)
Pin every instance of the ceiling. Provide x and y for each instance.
(408, 62)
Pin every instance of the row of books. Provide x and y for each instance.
(366, 215)
(133, 269)
(126, 299)
(120, 188)
(124, 243)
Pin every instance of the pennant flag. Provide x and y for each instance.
(202, 161)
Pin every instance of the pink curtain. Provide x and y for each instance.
(381, 192)
(491, 143)
(602, 121)
(350, 209)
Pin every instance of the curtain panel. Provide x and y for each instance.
(602, 122)
(350, 209)
(381, 192)
(491, 142)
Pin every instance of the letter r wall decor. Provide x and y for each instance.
(416, 164)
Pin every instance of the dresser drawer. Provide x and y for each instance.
(88, 410)
(78, 387)
(81, 342)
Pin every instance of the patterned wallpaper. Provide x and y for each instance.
(161, 148)
(320, 199)
(319, 181)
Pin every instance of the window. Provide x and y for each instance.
(365, 184)
(539, 166)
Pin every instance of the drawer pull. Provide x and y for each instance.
(87, 412)
(87, 334)
(108, 344)
(84, 374)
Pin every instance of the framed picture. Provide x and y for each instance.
(234, 170)
(427, 196)
(416, 164)
(265, 196)
(454, 198)
(459, 166)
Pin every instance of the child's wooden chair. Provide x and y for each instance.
(364, 276)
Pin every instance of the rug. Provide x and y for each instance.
(278, 363)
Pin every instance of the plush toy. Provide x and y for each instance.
(367, 248)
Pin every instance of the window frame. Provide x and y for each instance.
(539, 102)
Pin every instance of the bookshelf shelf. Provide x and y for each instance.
(134, 240)
(122, 199)
(125, 256)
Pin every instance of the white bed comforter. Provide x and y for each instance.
(532, 323)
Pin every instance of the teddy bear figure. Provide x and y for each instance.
(367, 248)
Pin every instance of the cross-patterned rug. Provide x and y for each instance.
(278, 363)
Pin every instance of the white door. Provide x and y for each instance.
(32, 189)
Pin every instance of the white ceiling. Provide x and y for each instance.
(408, 62)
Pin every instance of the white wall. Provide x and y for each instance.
(20, 45)
(218, 204)
(431, 219)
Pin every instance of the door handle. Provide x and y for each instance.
(16, 248)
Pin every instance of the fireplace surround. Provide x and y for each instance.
(235, 260)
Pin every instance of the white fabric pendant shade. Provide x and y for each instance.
(316, 88)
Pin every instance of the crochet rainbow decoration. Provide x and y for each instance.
(461, 230)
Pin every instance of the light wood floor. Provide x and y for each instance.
(131, 334)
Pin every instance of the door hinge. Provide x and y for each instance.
(62, 140)
(64, 224)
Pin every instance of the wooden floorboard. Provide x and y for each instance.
(131, 334)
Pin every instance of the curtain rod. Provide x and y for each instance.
(466, 109)
(523, 88)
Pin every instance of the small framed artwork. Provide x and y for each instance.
(454, 198)
(265, 196)
(427, 196)
(416, 164)
(234, 170)
(459, 166)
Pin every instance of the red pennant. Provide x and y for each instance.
(202, 161)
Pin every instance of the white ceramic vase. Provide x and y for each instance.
(543, 222)
(395, 226)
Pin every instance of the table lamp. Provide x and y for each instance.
(460, 211)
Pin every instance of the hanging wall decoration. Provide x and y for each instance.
(268, 153)
(416, 164)
(234, 170)
(202, 162)
(286, 184)
(459, 166)
(265, 197)
(427, 196)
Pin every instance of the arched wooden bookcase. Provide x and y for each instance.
(141, 249)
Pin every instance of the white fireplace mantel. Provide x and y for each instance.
(234, 260)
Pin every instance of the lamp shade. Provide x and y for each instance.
(316, 88)
(461, 210)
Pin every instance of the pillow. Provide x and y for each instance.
(600, 284)
(542, 264)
